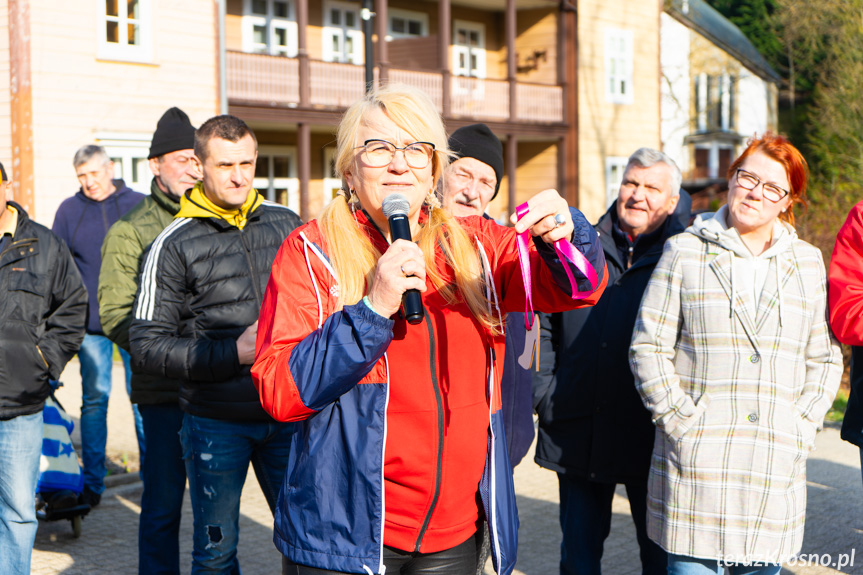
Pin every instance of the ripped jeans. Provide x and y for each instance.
(217, 455)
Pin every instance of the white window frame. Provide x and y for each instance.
(459, 49)
(701, 100)
(615, 167)
(619, 66)
(271, 23)
(267, 186)
(123, 51)
(126, 149)
(330, 31)
(407, 15)
(332, 180)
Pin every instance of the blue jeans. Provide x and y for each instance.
(20, 448)
(683, 565)
(217, 455)
(585, 519)
(164, 475)
(96, 357)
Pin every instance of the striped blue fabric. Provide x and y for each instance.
(58, 466)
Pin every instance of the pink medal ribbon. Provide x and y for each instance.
(566, 252)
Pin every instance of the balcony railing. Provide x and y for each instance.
(274, 81)
(269, 80)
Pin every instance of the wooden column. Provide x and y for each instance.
(21, 107)
(304, 161)
(511, 57)
(303, 60)
(381, 25)
(567, 57)
(511, 167)
(445, 37)
(304, 133)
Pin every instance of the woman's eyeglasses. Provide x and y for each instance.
(750, 181)
(379, 153)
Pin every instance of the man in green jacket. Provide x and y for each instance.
(163, 469)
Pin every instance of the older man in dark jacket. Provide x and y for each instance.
(82, 221)
(43, 312)
(593, 429)
(163, 472)
(196, 317)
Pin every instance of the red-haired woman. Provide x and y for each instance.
(733, 355)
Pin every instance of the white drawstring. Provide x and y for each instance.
(778, 289)
(731, 279)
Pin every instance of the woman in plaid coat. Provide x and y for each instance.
(733, 356)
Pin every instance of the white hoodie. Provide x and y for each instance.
(748, 271)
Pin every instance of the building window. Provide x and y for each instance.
(125, 31)
(342, 34)
(129, 153)
(270, 27)
(407, 24)
(618, 66)
(276, 175)
(615, 166)
(714, 102)
(468, 41)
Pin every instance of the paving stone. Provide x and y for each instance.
(108, 544)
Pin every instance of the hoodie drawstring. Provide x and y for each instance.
(733, 291)
(778, 289)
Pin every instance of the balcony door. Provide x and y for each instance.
(343, 36)
(468, 49)
(276, 175)
(270, 27)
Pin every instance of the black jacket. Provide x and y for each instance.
(201, 286)
(592, 422)
(852, 424)
(43, 313)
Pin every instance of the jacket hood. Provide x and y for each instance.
(713, 227)
(195, 204)
(120, 188)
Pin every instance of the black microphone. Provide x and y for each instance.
(395, 208)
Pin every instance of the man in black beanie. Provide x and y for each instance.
(163, 470)
(473, 178)
(471, 181)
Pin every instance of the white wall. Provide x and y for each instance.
(77, 95)
(674, 89)
(753, 114)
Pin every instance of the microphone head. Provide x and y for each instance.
(395, 204)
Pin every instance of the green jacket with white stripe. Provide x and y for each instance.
(122, 253)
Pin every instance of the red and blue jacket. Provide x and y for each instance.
(402, 436)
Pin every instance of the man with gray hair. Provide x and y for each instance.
(593, 429)
(82, 221)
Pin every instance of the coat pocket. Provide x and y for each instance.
(690, 421)
(26, 297)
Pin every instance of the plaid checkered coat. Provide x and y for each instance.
(737, 398)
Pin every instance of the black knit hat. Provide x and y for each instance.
(173, 132)
(477, 141)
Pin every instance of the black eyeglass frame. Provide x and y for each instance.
(766, 191)
(429, 156)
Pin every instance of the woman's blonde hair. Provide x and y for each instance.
(351, 251)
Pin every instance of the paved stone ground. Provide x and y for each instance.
(108, 544)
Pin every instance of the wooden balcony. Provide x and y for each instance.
(273, 81)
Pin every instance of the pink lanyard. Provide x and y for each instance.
(567, 253)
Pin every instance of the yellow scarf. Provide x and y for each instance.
(196, 204)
